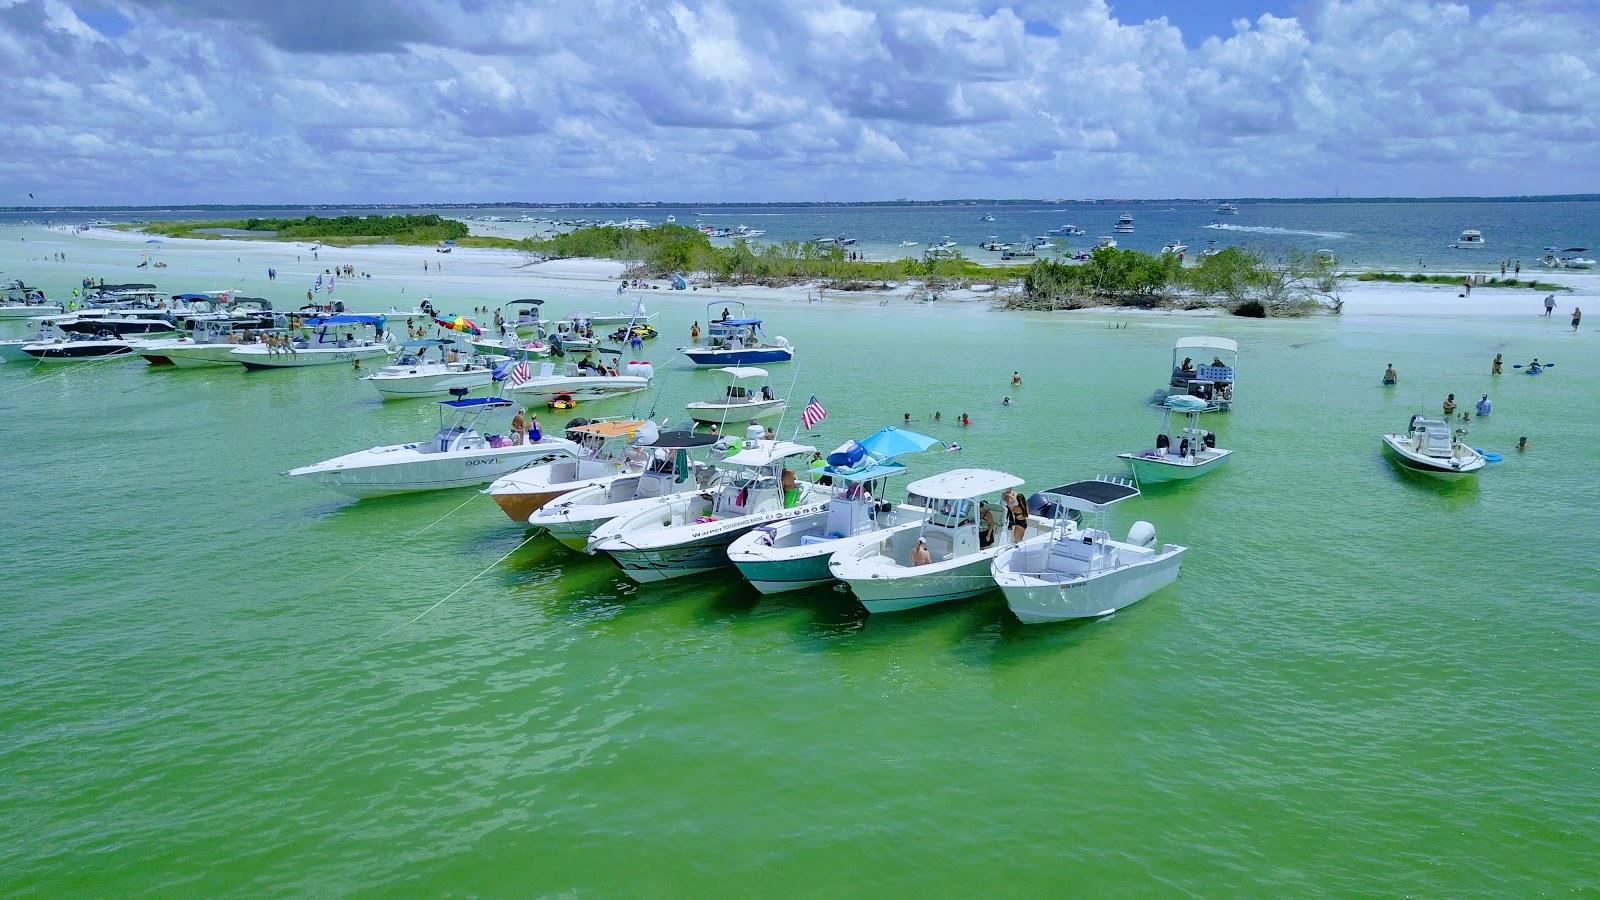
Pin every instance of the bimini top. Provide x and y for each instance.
(1088, 496)
(735, 322)
(963, 484)
(1209, 343)
(347, 319)
(683, 440)
(610, 429)
(476, 402)
(740, 373)
(529, 301)
(767, 453)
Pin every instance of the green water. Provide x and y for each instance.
(1361, 684)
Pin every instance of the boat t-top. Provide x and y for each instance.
(603, 454)
(1469, 240)
(321, 341)
(457, 456)
(1211, 382)
(1124, 224)
(687, 535)
(738, 398)
(735, 339)
(1181, 452)
(671, 473)
(1429, 448)
(527, 320)
(417, 374)
(795, 553)
(957, 534)
(1075, 570)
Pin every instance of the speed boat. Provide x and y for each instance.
(1429, 448)
(1175, 248)
(1078, 572)
(1124, 224)
(23, 302)
(1226, 209)
(739, 399)
(881, 573)
(1180, 453)
(690, 534)
(794, 553)
(1469, 240)
(321, 341)
(11, 350)
(670, 473)
(457, 456)
(1569, 258)
(603, 454)
(736, 340)
(413, 374)
(1212, 382)
(210, 344)
(527, 320)
(77, 348)
(509, 344)
(583, 381)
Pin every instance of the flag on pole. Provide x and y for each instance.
(813, 413)
(520, 373)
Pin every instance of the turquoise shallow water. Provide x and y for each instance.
(1361, 683)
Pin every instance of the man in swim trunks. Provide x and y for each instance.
(1390, 376)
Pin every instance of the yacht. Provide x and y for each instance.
(1176, 248)
(739, 399)
(414, 374)
(341, 338)
(795, 553)
(457, 456)
(671, 473)
(1078, 572)
(690, 534)
(1429, 448)
(880, 572)
(1469, 240)
(603, 455)
(1124, 224)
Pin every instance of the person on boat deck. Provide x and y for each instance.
(1390, 376)
(987, 525)
(1188, 365)
(519, 427)
(1449, 404)
(919, 554)
(725, 314)
(534, 434)
(1484, 406)
(1017, 517)
(791, 492)
(1216, 361)
(1495, 369)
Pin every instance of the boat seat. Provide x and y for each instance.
(1076, 554)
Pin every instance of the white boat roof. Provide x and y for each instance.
(766, 453)
(963, 484)
(1210, 343)
(740, 373)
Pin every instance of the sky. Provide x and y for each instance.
(437, 101)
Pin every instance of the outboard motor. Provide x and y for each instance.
(1210, 440)
(1142, 534)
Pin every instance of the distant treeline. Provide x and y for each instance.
(400, 229)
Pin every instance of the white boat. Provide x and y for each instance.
(736, 340)
(794, 553)
(880, 572)
(210, 343)
(670, 473)
(746, 232)
(690, 534)
(457, 456)
(1076, 572)
(739, 399)
(582, 381)
(342, 338)
(1566, 259)
(1226, 209)
(602, 455)
(590, 321)
(23, 302)
(527, 320)
(1469, 240)
(413, 374)
(1429, 448)
(509, 344)
(909, 243)
(1107, 242)
(1211, 382)
(77, 348)
(1124, 224)
(986, 218)
(1180, 453)
(11, 350)
(1175, 248)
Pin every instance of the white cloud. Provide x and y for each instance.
(433, 100)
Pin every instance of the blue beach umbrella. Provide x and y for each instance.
(889, 442)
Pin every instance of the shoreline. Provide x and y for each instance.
(487, 269)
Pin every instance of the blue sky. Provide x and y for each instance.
(295, 101)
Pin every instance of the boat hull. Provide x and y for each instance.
(918, 588)
(438, 385)
(299, 359)
(76, 351)
(1438, 470)
(1035, 601)
(417, 475)
(1149, 470)
(518, 505)
(28, 312)
(745, 357)
(733, 412)
(688, 549)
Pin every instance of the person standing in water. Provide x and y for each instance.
(1450, 405)
(1495, 369)
(1484, 406)
(1390, 376)
(1577, 316)
(1016, 378)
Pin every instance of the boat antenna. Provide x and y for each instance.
(787, 399)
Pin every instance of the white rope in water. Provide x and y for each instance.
(462, 587)
(416, 534)
(77, 366)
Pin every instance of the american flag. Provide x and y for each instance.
(520, 373)
(813, 413)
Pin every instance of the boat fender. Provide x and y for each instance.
(640, 369)
(1142, 534)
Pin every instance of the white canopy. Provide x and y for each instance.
(740, 373)
(963, 484)
(766, 453)
(1209, 343)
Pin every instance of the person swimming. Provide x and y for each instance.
(965, 420)
(1522, 443)
(1005, 401)
(1390, 376)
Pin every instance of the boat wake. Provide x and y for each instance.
(1268, 229)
